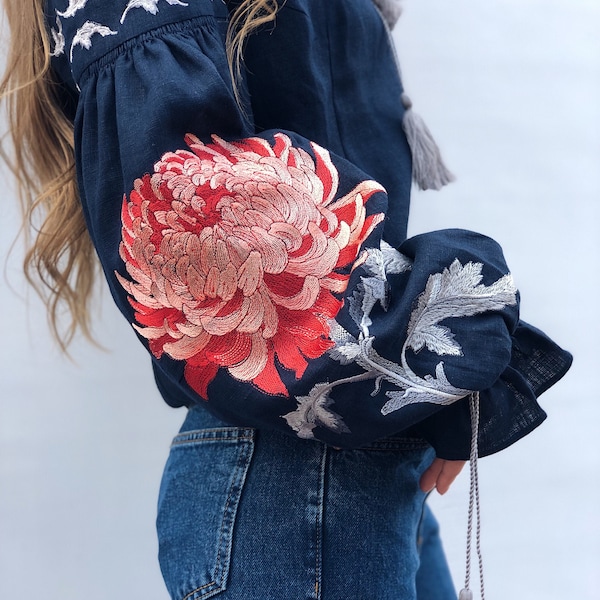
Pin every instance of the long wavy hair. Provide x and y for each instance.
(60, 261)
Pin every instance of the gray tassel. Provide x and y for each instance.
(465, 595)
(428, 169)
(390, 10)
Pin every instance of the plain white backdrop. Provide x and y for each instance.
(511, 89)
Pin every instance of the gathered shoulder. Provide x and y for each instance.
(82, 32)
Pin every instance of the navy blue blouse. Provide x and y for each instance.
(258, 248)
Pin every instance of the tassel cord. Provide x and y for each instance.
(474, 504)
(429, 171)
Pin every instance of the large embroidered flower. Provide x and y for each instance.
(235, 252)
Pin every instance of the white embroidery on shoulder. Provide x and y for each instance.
(74, 6)
(84, 34)
(150, 6)
(58, 38)
(455, 292)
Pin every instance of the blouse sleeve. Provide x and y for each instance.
(255, 266)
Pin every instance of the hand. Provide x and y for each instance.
(440, 475)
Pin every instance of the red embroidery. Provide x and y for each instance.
(235, 250)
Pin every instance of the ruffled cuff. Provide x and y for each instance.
(509, 409)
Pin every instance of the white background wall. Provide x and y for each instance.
(511, 89)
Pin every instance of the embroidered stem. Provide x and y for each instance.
(406, 381)
(474, 507)
(409, 372)
(352, 379)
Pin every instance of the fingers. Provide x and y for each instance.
(449, 473)
(440, 475)
(430, 476)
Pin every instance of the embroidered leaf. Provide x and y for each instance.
(355, 304)
(58, 38)
(346, 347)
(345, 354)
(399, 400)
(74, 6)
(150, 6)
(440, 379)
(455, 292)
(313, 411)
(373, 263)
(375, 291)
(370, 290)
(339, 335)
(84, 34)
(393, 261)
(438, 339)
(439, 391)
(441, 384)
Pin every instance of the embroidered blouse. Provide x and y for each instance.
(259, 250)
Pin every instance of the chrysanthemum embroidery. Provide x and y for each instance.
(236, 254)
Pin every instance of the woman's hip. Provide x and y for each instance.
(247, 514)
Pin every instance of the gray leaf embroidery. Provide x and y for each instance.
(438, 339)
(455, 292)
(58, 38)
(314, 410)
(439, 391)
(346, 349)
(373, 289)
(150, 6)
(84, 34)
(394, 262)
(74, 6)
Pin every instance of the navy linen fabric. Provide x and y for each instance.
(266, 269)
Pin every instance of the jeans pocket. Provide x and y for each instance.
(199, 496)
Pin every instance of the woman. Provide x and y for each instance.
(250, 219)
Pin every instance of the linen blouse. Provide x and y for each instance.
(258, 248)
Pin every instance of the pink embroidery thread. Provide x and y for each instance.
(235, 251)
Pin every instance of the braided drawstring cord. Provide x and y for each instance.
(474, 508)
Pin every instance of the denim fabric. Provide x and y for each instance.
(248, 514)
(434, 581)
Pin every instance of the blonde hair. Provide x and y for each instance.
(60, 261)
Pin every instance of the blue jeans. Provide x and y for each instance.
(257, 515)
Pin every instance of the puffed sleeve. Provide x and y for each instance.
(262, 272)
